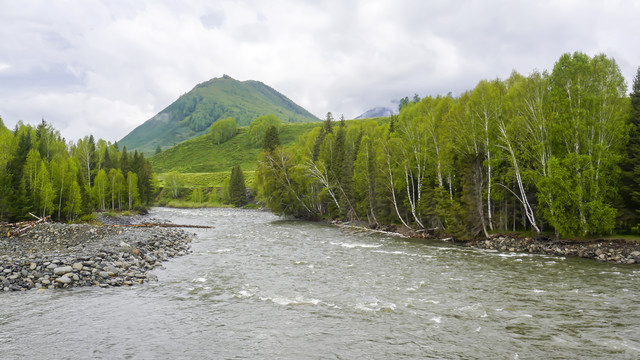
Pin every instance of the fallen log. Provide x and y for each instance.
(22, 227)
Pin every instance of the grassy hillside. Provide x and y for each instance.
(201, 155)
(191, 115)
(203, 163)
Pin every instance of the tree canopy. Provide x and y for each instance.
(259, 126)
(536, 153)
(43, 174)
(223, 130)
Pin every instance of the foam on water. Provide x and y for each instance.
(351, 246)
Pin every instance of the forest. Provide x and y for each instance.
(552, 152)
(43, 174)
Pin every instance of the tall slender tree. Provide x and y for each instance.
(237, 187)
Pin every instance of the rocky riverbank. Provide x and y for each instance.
(52, 255)
(615, 251)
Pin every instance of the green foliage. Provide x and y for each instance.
(525, 153)
(200, 155)
(237, 188)
(271, 139)
(259, 127)
(192, 114)
(133, 195)
(223, 130)
(174, 184)
(630, 178)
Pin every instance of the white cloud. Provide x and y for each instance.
(107, 66)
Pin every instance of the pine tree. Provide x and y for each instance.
(124, 161)
(271, 139)
(328, 126)
(237, 187)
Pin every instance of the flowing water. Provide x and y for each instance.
(258, 286)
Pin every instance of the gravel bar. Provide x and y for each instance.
(53, 255)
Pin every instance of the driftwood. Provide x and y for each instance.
(20, 228)
(165, 225)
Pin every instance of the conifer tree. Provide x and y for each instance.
(271, 139)
(237, 187)
(328, 126)
(124, 161)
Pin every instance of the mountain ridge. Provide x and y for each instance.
(192, 113)
(379, 111)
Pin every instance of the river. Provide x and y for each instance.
(259, 286)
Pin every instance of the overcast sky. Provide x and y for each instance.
(105, 67)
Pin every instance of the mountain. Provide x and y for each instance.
(376, 112)
(219, 98)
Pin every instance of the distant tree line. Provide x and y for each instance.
(42, 173)
(555, 151)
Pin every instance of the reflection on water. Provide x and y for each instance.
(258, 286)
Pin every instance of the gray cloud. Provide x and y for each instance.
(104, 67)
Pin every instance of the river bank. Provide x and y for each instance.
(615, 251)
(53, 255)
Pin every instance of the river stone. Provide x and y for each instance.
(62, 270)
(63, 280)
(103, 274)
(33, 266)
(77, 266)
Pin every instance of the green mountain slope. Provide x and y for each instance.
(201, 155)
(192, 114)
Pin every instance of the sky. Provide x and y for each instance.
(104, 67)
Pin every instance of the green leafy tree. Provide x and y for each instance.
(73, 205)
(7, 151)
(259, 126)
(223, 130)
(630, 179)
(174, 183)
(100, 190)
(133, 197)
(197, 195)
(589, 131)
(364, 179)
(86, 154)
(117, 188)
